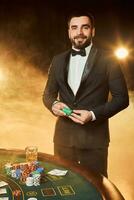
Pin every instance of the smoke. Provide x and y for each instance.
(121, 154)
(24, 61)
(23, 117)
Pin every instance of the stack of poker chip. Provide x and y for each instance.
(36, 179)
(18, 173)
(17, 194)
(24, 174)
(29, 181)
(13, 173)
(8, 168)
(29, 173)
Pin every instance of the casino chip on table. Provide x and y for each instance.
(32, 198)
(29, 173)
(17, 194)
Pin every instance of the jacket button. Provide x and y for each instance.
(75, 104)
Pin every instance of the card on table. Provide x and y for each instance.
(3, 183)
(4, 198)
(3, 191)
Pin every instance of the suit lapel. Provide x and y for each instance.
(88, 67)
(89, 64)
(65, 68)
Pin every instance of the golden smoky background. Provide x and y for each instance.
(31, 32)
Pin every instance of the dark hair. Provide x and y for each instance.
(80, 13)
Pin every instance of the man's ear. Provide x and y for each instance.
(93, 32)
(69, 33)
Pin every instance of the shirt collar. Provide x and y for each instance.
(88, 49)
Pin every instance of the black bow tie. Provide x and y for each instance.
(81, 52)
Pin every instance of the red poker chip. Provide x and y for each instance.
(16, 193)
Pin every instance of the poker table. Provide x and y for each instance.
(77, 184)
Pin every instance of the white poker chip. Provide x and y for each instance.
(32, 198)
(29, 181)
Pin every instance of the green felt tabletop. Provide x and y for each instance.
(72, 186)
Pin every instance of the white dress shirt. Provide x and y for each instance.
(76, 68)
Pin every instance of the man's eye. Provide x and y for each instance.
(73, 27)
(86, 27)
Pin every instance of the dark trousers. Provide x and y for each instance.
(95, 159)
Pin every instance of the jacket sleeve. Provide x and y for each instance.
(119, 93)
(51, 89)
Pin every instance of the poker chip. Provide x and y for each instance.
(16, 193)
(29, 181)
(32, 198)
(28, 173)
(36, 179)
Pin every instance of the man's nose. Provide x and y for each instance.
(79, 31)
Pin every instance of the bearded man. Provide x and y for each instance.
(81, 79)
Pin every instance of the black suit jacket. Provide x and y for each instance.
(102, 74)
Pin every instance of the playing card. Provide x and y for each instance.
(3, 191)
(57, 172)
(3, 183)
(4, 198)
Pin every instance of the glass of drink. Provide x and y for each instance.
(31, 153)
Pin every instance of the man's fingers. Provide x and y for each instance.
(75, 119)
(77, 111)
(76, 116)
(59, 106)
(57, 109)
(58, 112)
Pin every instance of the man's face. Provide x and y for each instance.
(80, 32)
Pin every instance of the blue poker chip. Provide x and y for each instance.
(40, 169)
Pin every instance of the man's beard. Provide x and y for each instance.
(80, 44)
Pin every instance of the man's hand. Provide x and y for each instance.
(57, 108)
(81, 116)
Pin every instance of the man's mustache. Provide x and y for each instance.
(80, 36)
